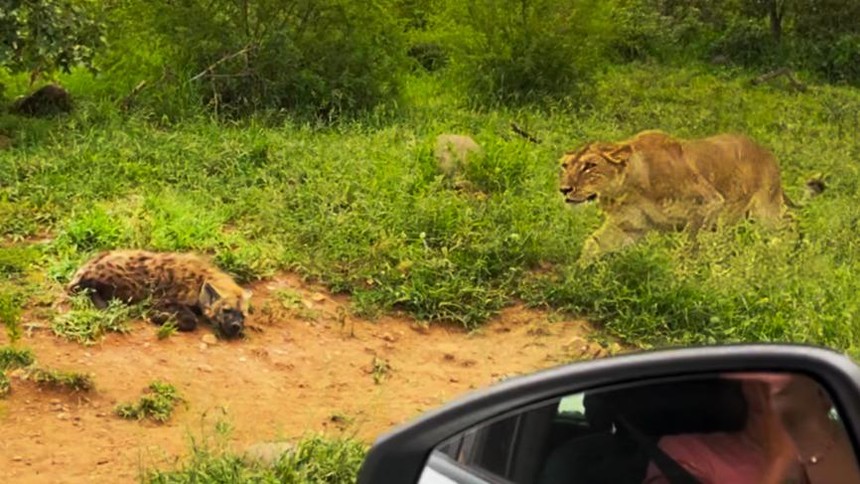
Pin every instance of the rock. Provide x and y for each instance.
(205, 368)
(210, 339)
(63, 416)
(203, 346)
(318, 297)
(453, 153)
(45, 101)
(267, 453)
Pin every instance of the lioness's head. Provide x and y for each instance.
(226, 311)
(587, 172)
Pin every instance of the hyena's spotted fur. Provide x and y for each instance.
(180, 285)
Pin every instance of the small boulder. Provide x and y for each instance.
(453, 153)
(45, 101)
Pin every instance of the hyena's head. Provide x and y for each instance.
(225, 308)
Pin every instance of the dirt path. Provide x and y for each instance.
(309, 369)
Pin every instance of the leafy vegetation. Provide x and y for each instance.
(45, 35)
(86, 324)
(157, 404)
(11, 358)
(10, 313)
(314, 459)
(60, 380)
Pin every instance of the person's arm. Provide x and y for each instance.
(688, 452)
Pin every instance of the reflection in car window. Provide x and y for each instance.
(617, 435)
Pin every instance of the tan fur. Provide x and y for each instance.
(654, 181)
(181, 285)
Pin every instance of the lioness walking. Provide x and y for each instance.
(654, 181)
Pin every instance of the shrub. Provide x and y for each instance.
(323, 58)
(522, 51)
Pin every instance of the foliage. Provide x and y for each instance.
(86, 324)
(322, 58)
(60, 380)
(315, 459)
(157, 404)
(39, 36)
(11, 358)
(525, 50)
(10, 313)
(5, 385)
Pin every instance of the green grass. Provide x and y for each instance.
(5, 385)
(315, 459)
(167, 330)
(86, 324)
(360, 207)
(10, 313)
(11, 358)
(60, 380)
(156, 405)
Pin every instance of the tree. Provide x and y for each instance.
(41, 36)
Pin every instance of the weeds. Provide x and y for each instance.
(380, 369)
(85, 323)
(314, 459)
(10, 314)
(5, 385)
(157, 404)
(167, 329)
(11, 358)
(60, 380)
(16, 260)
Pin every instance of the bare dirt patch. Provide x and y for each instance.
(309, 367)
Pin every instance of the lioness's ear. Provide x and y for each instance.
(208, 295)
(620, 154)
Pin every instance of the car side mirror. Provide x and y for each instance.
(735, 413)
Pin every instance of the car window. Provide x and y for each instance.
(611, 435)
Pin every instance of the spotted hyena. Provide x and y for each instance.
(183, 286)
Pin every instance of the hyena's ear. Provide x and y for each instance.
(208, 295)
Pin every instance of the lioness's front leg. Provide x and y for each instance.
(610, 237)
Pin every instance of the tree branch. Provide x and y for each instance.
(520, 131)
(220, 61)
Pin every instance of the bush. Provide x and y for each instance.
(748, 43)
(522, 51)
(45, 35)
(323, 58)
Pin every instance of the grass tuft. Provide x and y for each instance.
(60, 380)
(157, 404)
(86, 324)
(11, 358)
(314, 459)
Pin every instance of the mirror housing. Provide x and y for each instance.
(399, 456)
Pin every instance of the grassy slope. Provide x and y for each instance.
(360, 207)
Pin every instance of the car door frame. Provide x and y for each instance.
(398, 457)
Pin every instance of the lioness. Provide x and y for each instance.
(654, 181)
